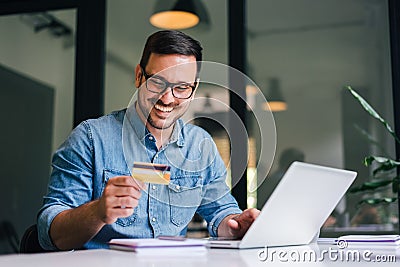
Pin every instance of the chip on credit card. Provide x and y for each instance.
(151, 172)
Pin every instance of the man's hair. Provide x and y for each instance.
(169, 42)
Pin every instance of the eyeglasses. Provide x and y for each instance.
(159, 85)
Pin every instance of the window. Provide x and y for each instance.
(310, 54)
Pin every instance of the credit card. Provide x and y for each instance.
(151, 172)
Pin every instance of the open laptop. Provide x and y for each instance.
(302, 201)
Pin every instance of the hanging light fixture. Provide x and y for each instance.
(178, 14)
(275, 101)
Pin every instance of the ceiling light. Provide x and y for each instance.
(275, 101)
(178, 14)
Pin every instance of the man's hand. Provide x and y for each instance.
(120, 196)
(236, 225)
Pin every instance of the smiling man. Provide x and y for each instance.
(92, 196)
(163, 103)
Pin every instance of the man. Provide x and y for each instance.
(92, 196)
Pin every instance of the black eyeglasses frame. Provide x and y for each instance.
(168, 85)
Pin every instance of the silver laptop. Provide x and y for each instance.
(305, 197)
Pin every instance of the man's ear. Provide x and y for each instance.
(138, 75)
(195, 89)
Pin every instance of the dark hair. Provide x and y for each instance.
(169, 42)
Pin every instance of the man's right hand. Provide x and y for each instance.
(120, 197)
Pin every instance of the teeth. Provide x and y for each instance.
(163, 109)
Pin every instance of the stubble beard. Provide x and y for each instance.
(150, 120)
(154, 125)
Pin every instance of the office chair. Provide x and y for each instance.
(9, 234)
(30, 241)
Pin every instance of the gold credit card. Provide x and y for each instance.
(151, 172)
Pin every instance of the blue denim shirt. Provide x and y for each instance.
(100, 149)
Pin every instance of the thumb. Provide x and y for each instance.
(233, 224)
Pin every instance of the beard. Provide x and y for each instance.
(167, 124)
(163, 127)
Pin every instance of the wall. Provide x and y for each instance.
(48, 61)
(45, 58)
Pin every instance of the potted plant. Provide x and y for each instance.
(384, 173)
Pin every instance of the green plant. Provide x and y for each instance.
(384, 174)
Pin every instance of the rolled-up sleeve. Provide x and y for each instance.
(70, 183)
(45, 218)
(198, 154)
(217, 204)
(217, 219)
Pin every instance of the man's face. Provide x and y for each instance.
(162, 110)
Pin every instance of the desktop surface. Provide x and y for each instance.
(210, 258)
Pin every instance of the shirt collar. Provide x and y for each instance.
(142, 132)
(177, 134)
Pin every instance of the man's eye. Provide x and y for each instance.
(183, 87)
(157, 82)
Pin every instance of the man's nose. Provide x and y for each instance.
(167, 97)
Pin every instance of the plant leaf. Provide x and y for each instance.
(376, 201)
(386, 164)
(372, 112)
(370, 186)
(369, 138)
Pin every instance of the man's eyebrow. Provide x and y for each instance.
(165, 80)
(156, 76)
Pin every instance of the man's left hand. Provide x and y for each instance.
(236, 225)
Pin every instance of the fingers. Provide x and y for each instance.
(120, 196)
(233, 225)
(122, 186)
(240, 224)
(124, 191)
(248, 215)
(126, 181)
(126, 202)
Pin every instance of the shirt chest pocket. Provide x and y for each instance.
(185, 195)
(107, 175)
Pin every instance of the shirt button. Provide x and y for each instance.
(154, 187)
(156, 156)
(153, 219)
(177, 187)
(151, 138)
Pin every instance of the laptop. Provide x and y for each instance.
(302, 201)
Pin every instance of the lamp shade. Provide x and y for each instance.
(178, 14)
(275, 100)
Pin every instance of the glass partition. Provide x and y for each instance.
(37, 62)
(308, 51)
(305, 57)
(128, 27)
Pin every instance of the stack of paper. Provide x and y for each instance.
(371, 240)
(155, 246)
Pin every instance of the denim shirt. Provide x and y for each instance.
(100, 149)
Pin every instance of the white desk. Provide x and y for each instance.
(210, 258)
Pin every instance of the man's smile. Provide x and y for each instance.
(163, 108)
